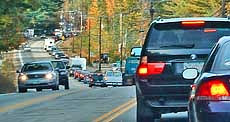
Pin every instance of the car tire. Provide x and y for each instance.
(145, 113)
(38, 89)
(66, 85)
(55, 88)
(22, 90)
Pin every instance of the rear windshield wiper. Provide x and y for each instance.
(179, 46)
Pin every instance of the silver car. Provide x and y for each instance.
(38, 75)
(113, 78)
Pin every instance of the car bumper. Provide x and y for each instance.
(99, 83)
(114, 83)
(214, 111)
(39, 85)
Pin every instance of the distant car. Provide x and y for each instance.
(82, 75)
(27, 48)
(113, 78)
(97, 80)
(72, 70)
(59, 55)
(62, 71)
(53, 49)
(88, 78)
(38, 75)
(43, 36)
(209, 100)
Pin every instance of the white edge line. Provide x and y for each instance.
(20, 57)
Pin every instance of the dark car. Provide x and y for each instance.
(63, 73)
(97, 80)
(170, 47)
(210, 96)
(39, 75)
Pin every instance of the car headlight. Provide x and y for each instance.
(49, 76)
(105, 78)
(23, 77)
(71, 71)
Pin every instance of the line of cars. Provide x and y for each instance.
(109, 78)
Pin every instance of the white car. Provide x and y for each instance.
(113, 78)
(27, 48)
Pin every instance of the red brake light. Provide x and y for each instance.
(209, 30)
(193, 24)
(150, 68)
(212, 90)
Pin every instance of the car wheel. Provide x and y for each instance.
(39, 89)
(22, 90)
(55, 87)
(67, 85)
(145, 113)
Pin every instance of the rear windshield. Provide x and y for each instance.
(173, 35)
(58, 64)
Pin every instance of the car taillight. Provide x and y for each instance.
(146, 68)
(213, 90)
(193, 23)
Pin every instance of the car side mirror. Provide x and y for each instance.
(18, 71)
(190, 74)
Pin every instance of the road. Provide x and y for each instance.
(79, 104)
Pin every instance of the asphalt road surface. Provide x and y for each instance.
(79, 104)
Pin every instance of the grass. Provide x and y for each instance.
(8, 76)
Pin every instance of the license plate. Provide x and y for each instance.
(196, 65)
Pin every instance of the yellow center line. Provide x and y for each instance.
(120, 112)
(33, 101)
(106, 115)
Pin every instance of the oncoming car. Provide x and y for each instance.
(172, 46)
(38, 75)
(210, 96)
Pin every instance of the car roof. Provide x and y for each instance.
(223, 40)
(159, 20)
(37, 62)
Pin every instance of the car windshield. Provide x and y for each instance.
(58, 64)
(37, 67)
(170, 38)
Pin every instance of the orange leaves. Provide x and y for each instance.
(110, 7)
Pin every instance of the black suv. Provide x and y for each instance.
(62, 71)
(171, 46)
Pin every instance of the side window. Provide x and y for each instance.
(222, 61)
(211, 59)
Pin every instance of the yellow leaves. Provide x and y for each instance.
(191, 8)
(110, 7)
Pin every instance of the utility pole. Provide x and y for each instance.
(81, 47)
(100, 45)
(223, 8)
(72, 44)
(151, 11)
(89, 44)
(121, 39)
